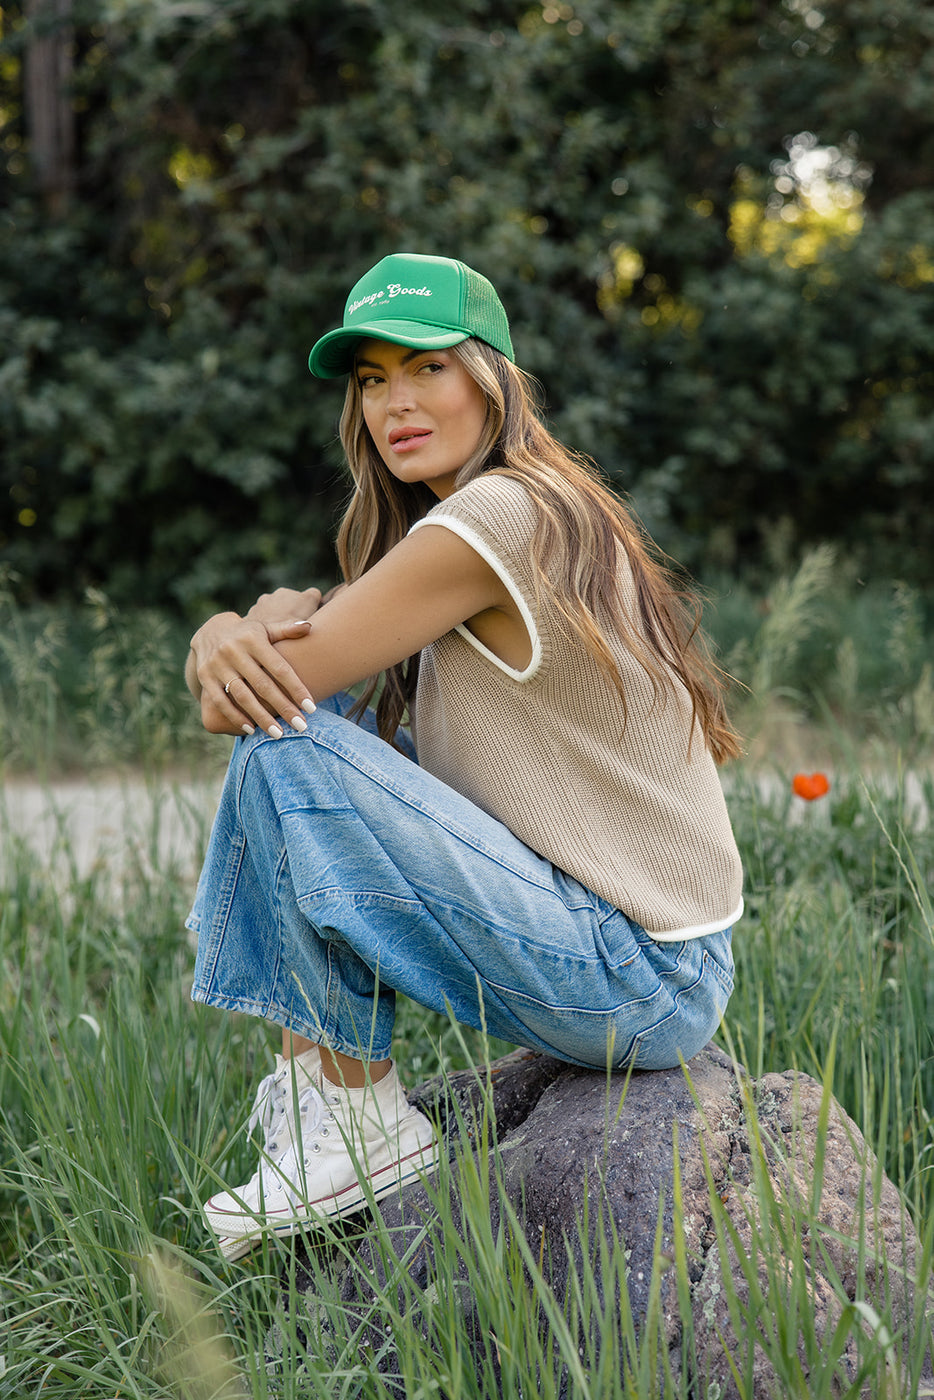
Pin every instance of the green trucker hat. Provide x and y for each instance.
(411, 299)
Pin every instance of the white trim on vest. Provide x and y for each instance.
(499, 568)
(682, 935)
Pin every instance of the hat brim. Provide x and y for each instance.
(333, 354)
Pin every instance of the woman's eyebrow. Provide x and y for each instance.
(374, 364)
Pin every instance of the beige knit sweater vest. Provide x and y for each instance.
(621, 802)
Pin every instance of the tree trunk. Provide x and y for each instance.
(50, 121)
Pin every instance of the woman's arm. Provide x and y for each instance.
(427, 584)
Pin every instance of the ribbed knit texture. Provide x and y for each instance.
(612, 799)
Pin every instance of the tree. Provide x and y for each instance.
(730, 350)
(50, 116)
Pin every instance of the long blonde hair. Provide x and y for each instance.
(581, 526)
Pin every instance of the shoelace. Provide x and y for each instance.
(270, 1107)
(289, 1171)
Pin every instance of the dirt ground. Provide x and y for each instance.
(113, 823)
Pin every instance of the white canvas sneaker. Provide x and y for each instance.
(274, 1109)
(351, 1146)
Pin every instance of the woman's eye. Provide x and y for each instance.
(366, 381)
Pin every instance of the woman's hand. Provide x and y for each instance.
(286, 604)
(238, 675)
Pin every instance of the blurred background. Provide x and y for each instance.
(712, 225)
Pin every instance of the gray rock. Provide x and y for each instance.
(565, 1135)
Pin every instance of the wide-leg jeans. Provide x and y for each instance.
(339, 873)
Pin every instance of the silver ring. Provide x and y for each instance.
(229, 684)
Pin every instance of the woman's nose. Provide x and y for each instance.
(400, 395)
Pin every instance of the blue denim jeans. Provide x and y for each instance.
(339, 872)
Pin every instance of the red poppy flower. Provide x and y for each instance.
(810, 786)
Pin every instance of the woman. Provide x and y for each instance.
(557, 866)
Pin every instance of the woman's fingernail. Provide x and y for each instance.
(298, 723)
(274, 731)
(247, 728)
(309, 706)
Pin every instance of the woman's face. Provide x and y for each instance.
(424, 411)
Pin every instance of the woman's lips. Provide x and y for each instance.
(405, 439)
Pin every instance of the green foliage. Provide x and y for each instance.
(240, 163)
(94, 687)
(822, 646)
(837, 950)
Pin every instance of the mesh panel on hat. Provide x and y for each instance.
(484, 314)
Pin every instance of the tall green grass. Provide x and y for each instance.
(838, 942)
(90, 686)
(826, 659)
(121, 1106)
